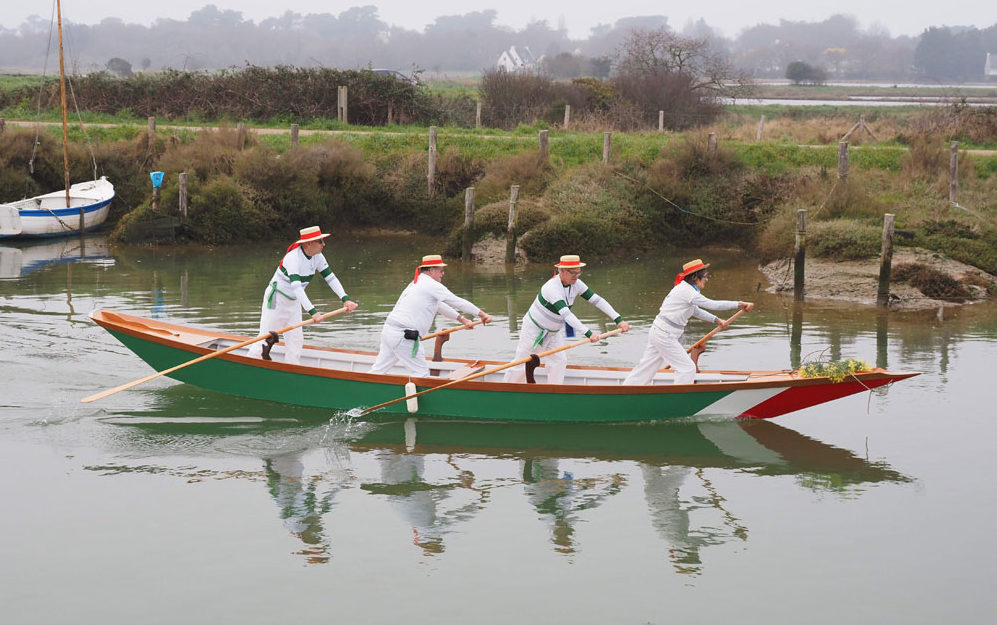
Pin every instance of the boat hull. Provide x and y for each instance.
(764, 395)
(48, 216)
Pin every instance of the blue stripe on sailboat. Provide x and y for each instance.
(65, 212)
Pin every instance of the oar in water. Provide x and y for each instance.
(449, 330)
(134, 383)
(703, 340)
(492, 370)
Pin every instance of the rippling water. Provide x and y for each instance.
(167, 504)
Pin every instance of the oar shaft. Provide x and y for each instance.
(135, 383)
(449, 330)
(714, 331)
(489, 371)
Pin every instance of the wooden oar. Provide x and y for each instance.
(492, 370)
(707, 337)
(449, 330)
(133, 383)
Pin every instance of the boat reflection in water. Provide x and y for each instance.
(23, 258)
(439, 475)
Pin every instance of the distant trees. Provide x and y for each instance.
(805, 74)
(119, 67)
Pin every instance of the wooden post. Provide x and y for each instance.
(510, 230)
(882, 339)
(885, 261)
(468, 224)
(431, 174)
(796, 336)
(842, 160)
(544, 149)
(800, 255)
(661, 121)
(711, 143)
(477, 115)
(390, 115)
(294, 135)
(954, 172)
(152, 130)
(155, 201)
(240, 132)
(343, 108)
(182, 196)
(607, 143)
(761, 127)
(3, 125)
(567, 115)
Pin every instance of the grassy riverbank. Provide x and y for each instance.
(658, 190)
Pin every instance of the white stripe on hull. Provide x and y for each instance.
(738, 402)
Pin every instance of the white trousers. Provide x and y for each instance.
(395, 348)
(663, 348)
(284, 313)
(555, 364)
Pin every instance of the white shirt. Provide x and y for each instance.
(551, 308)
(685, 301)
(420, 301)
(296, 271)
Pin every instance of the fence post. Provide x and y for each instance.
(842, 160)
(661, 121)
(544, 145)
(761, 127)
(152, 130)
(3, 125)
(711, 143)
(431, 173)
(294, 135)
(468, 224)
(182, 196)
(567, 115)
(510, 231)
(345, 105)
(954, 172)
(477, 115)
(607, 143)
(390, 116)
(885, 261)
(240, 133)
(800, 255)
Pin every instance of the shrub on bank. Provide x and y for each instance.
(843, 240)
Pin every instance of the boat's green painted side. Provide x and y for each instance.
(260, 380)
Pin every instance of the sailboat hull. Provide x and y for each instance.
(47, 215)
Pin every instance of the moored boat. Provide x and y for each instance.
(337, 379)
(49, 216)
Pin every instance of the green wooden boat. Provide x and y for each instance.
(337, 379)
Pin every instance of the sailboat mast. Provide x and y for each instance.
(62, 95)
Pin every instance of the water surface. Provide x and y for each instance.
(168, 504)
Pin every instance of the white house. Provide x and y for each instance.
(990, 69)
(518, 60)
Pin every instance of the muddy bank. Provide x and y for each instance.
(857, 281)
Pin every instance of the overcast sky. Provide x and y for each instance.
(897, 17)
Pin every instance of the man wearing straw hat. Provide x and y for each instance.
(550, 313)
(413, 314)
(664, 340)
(285, 294)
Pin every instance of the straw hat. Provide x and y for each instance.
(690, 267)
(312, 233)
(432, 260)
(570, 261)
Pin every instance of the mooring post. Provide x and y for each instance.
(842, 160)
(544, 145)
(431, 173)
(294, 135)
(711, 143)
(954, 172)
(885, 261)
(567, 115)
(796, 336)
(607, 144)
(510, 230)
(182, 196)
(468, 224)
(800, 255)
(882, 339)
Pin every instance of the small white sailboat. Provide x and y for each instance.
(81, 207)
